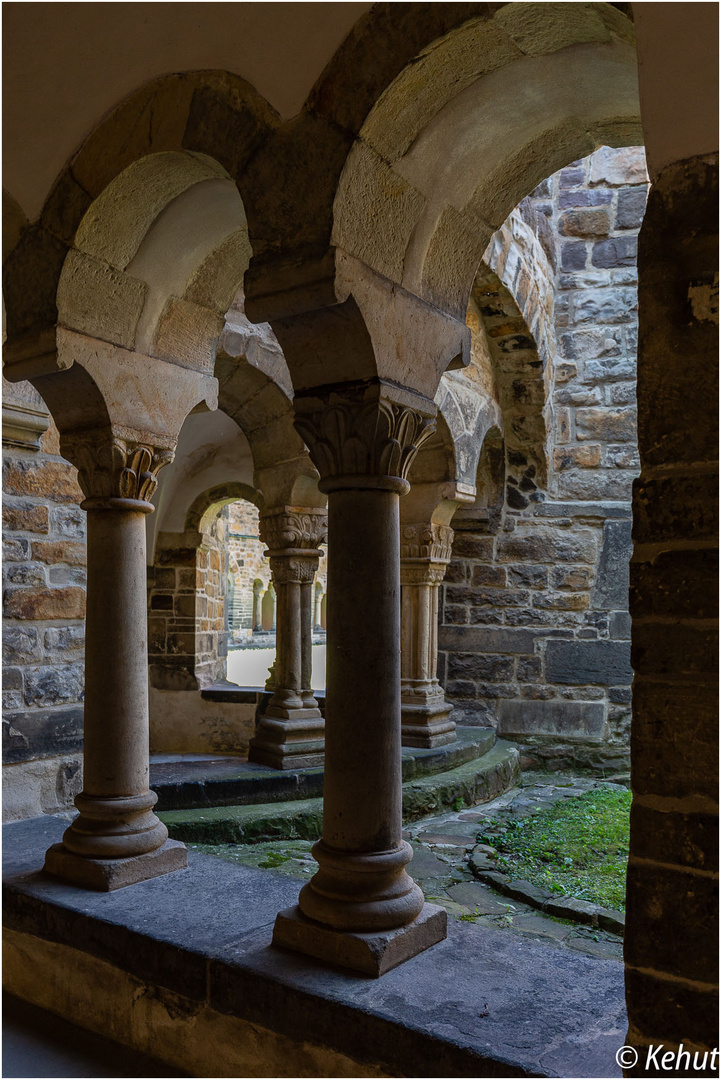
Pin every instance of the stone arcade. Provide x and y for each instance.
(372, 272)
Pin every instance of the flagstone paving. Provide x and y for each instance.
(441, 848)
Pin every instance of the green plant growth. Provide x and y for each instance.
(578, 847)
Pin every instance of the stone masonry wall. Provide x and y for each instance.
(187, 634)
(535, 626)
(44, 554)
(247, 564)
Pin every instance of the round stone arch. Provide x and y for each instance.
(213, 116)
(472, 126)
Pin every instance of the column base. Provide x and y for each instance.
(427, 726)
(108, 874)
(370, 954)
(293, 740)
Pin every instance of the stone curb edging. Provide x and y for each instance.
(562, 907)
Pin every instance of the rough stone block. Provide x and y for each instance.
(26, 517)
(612, 580)
(51, 603)
(60, 685)
(25, 574)
(64, 639)
(579, 663)
(56, 480)
(568, 601)
(478, 639)
(21, 645)
(675, 738)
(659, 901)
(537, 546)
(40, 733)
(615, 251)
(571, 577)
(608, 425)
(598, 485)
(574, 199)
(692, 837)
(60, 551)
(677, 583)
(69, 521)
(16, 550)
(533, 577)
(477, 666)
(616, 167)
(573, 255)
(591, 344)
(570, 457)
(620, 626)
(570, 719)
(600, 306)
(606, 371)
(631, 208)
(586, 222)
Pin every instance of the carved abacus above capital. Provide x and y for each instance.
(112, 467)
(369, 430)
(427, 540)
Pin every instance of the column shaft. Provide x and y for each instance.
(362, 909)
(290, 733)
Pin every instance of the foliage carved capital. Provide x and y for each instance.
(371, 430)
(292, 527)
(111, 467)
(428, 541)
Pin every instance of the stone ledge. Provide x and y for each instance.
(454, 1010)
(562, 907)
(229, 781)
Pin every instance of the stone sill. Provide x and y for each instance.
(482, 1003)
(243, 695)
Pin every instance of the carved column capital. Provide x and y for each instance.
(364, 435)
(296, 528)
(427, 541)
(114, 471)
(295, 566)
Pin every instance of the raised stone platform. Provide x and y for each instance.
(481, 778)
(181, 967)
(195, 781)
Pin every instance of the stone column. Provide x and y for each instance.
(425, 713)
(290, 734)
(116, 840)
(317, 628)
(362, 909)
(274, 609)
(257, 614)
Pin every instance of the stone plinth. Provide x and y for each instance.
(369, 954)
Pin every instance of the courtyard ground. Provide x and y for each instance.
(447, 862)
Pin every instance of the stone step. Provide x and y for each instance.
(234, 781)
(468, 784)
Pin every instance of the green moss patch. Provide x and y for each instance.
(578, 847)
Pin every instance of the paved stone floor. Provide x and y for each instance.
(441, 846)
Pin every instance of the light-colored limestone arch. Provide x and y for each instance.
(213, 119)
(523, 376)
(485, 514)
(157, 259)
(207, 506)
(462, 134)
